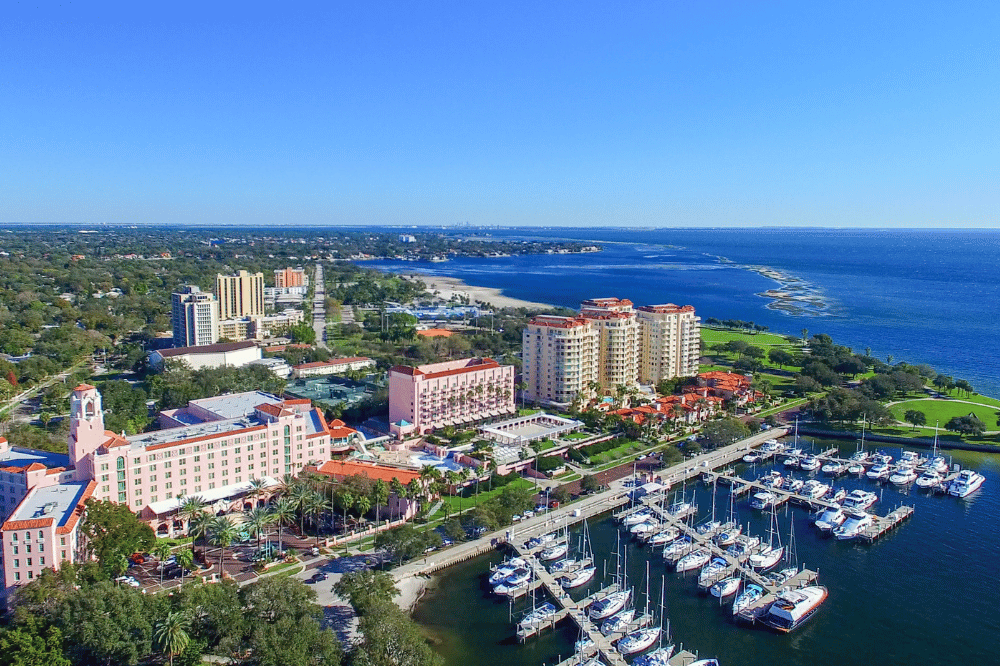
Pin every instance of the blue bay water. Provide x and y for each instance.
(920, 296)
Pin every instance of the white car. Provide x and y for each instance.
(528, 514)
(127, 580)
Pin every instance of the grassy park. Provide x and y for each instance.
(943, 410)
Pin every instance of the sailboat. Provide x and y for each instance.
(770, 554)
(586, 571)
(641, 639)
(661, 655)
(728, 531)
(711, 526)
(613, 602)
(779, 578)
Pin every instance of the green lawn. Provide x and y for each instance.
(528, 411)
(544, 445)
(577, 435)
(714, 335)
(944, 410)
(459, 503)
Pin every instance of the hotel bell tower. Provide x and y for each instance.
(86, 428)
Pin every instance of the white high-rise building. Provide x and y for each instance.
(560, 356)
(195, 317)
(618, 347)
(669, 342)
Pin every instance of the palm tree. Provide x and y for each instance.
(315, 504)
(380, 495)
(257, 520)
(198, 527)
(171, 634)
(257, 490)
(363, 504)
(522, 386)
(185, 559)
(162, 551)
(190, 508)
(222, 532)
(282, 512)
(345, 500)
(414, 489)
(298, 496)
(396, 486)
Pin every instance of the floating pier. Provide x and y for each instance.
(885, 523)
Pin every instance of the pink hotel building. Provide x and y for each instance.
(432, 396)
(212, 448)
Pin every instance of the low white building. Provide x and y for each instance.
(222, 355)
(333, 366)
(278, 366)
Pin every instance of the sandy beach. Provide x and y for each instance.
(446, 287)
(411, 589)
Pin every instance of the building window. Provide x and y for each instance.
(41, 561)
(62, 541)
(121, 463)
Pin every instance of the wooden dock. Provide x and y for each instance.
(885, 523)
(741, 486)
(801, 579)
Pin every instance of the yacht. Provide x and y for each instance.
(792, 608)
(753, 457)
(712, 570)
(779, 578)
(540, 615)
(542, 540)
(771, 446)
(750, 595)
(510, 589)
(743, 546)
(859, 456)
(518, 576)
(766, 558)
(938, 464)
(500, 572)
(809, 463)
(856, 468)
(856, 523)
(694, 560)
(637, 517)
(792, 458)
(658, 657)
(879, 471)
(833, 468)
(564, 566)
(725, 587)
(910, 459)
(664, 537)
(677, 547)
(814, 489)
(966, 483)
(835, 495)
(903, 475)
(708, 528)
(610, 604)
(679, 508)
(831, 519)
(929, 480)
(882, 459)
(639, 641)
(584, 645)
(578, 578)
(793, 485)
(772, 479)
(647, 528)
(554, 552)
(619, 623)
(860, 499)
(763, 500)
(705, 662)
(727, 535)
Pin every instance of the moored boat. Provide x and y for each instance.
(860, 499)
(763, 500)
(618, 623)
(750, 595)
(856, 523)
(609, 604)
(809, 463)
(538, 616)
(966, 483)
(579, 577)
(879, 471)
(725, 587)
(554, 552)
(830, 519)
(904, 475)
(792, 608)
(694, 560)
(928, 480)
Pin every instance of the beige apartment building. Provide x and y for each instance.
(240, 295)
(618, 340)
(560, 357)
(669, 340)
(610, 343)
(290, 277)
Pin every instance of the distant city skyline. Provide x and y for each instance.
(565, 113)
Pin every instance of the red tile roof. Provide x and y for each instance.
(341, 469)
(436, 333)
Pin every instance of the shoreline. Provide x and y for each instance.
(445, 287)
(411, 590)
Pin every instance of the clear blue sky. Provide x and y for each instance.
(621, 112)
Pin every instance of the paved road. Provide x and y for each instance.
(319, 307)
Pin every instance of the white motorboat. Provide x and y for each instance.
(771, 446)
(856, 523)
(879, 471)
(910, 459)
(679, 508)
(860, 456)
(792, 608)
(750, 595)
(610, 604)
(579, 577)
(809, 463)
(764, 499)
(779, 578)
(856, 468)
(637, 517)
(712, 570)
(554, 552)
(584, 645)
(938, 464)
(966, 483)
(860, 499)
(753, 457)
(767, 558)
(658, 657)
(903, 475)
(835, 495)
(618, 623)
(772, 479)
(830, 519)
(563, 566)
(793, 485)
(677, 547)
(705, 662)
(743, 546)
(542, 540)
(814, 489)
(639, 641)
(538, 616)
(727, 535)
(645, 528)
(696, 559)
(882, 459)
(518, 576)
(708, 528)
(929, 480)
(664, 537)
(793, 456)
(500, 572)
(510, 589)
(726, 587)
(833, 468)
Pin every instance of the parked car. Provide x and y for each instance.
(127, 580)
